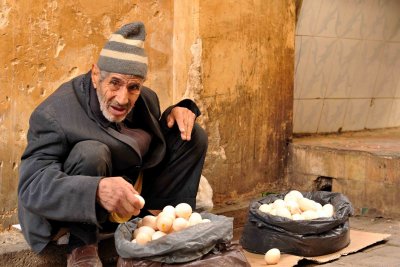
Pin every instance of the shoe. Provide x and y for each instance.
(85, 256)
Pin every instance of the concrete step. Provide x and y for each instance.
(364, 166)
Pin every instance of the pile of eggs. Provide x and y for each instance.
(170, 219)
(296, 207)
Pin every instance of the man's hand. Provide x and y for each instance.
(185, 120)
(117, 195)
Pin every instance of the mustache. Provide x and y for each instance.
(115, 103)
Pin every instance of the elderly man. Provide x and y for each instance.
(100, 140)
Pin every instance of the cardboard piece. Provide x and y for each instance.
(358, 241)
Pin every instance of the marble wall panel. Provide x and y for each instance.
(306, 121)
(388, 74)
(349, 53)
(318, 69)
(356, 114)
(379, 113)
(332, 115)
(345, 63)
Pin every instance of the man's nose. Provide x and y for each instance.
(122, 96)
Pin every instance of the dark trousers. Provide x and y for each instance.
(174, 180)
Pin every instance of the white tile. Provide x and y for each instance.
(350, 17)
(344, 67)
(300, 63)
(295, 107)
(388, 74)
(321, 52)
(367, 67)
(394, 118)
(356, 114)
(327, 19)
(374, 20)
(332, 115)
(397, 94)
(391, 30)
(307, 116)
(379, 113)
(307, 17)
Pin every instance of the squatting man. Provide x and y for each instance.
(99, 140)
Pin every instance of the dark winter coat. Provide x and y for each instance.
(65, 118)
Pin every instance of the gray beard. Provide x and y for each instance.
(103, 108)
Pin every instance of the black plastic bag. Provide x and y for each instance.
(230, 255)
(305, 237)
(178, 247)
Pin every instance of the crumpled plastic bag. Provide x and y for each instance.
(178, 247)
(304, 238)
(220, 255)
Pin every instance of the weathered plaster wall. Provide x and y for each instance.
(45, 43)
(248, 54)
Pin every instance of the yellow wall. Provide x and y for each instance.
(235, 58)
(248, 52)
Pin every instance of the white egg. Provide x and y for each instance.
(183, 210)
(139, 223)
(169, 210)
(329, 210)
(163, 213)
(195, 218)
(293, 207)
(143, 238)
(297, 217)
(205, 221)
(306, 204)
(266, 208)
(135, 232)
(133, 241)
(283, 212)
(141, 200)
(318, 206)
(272, 256)
(150, 221)
(157, 235)
(321, 214)
(289, 198)
(295, 193)
(309, 215)
(279, 203)
(179, 224)
(272, 211)
(146, 229)
(164, 223)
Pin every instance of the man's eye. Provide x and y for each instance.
(134, 87)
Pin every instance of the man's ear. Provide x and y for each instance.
(95, 75)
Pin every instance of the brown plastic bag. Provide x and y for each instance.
(231, 255)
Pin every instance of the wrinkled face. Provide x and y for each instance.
(117, 93)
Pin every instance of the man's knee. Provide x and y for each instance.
(90, 158)
(199, 138)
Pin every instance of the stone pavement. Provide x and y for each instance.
(384, 254)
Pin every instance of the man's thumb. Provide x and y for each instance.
(170, 121)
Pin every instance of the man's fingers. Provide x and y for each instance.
(170, 121)
(117, 195)
(184, 118)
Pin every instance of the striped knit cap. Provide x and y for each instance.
(124, 52)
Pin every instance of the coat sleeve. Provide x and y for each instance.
(44, 189)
